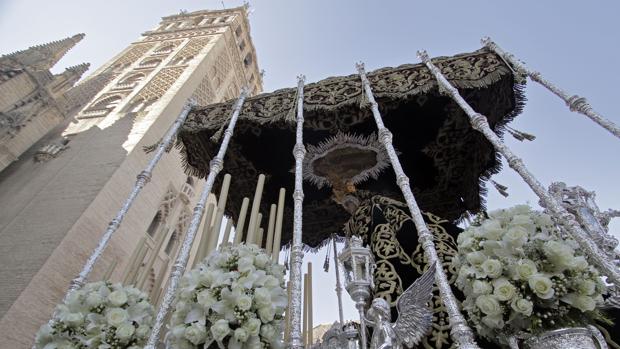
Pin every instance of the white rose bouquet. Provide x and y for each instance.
(235, 299)
(99, 315)
(521, 275)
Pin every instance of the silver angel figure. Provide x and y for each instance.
(414, 315)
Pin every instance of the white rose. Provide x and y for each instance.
(117, 298)
(73, 319)
(117, 316)
(520, 210)
(476, 258)
(266, 313)
(252, 326)
(579, 263)
(244, 302)
(481, 287)
(143, 331)
(492, 267)
(586, 287)
(524, 269)
(241, 334)
(522, 306)
(491, 229)
(261, 261)
(583, 303)
(44, 334)
(125, 331)
(262, 297)
(515, 236)
(220, 329)
(503, 289)
(488, 305)
(467, 243)
(560, 254)
(521, 220)
(541, 285)
(197, 333)
(94, 300)
(205, 298)
(271, 282)
(268, 332)
(178, 331)
(245, 264)
(495, 321)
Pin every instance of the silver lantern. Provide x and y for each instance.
(358, 265)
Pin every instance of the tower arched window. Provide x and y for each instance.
(189, 180)
(132, 79)
(150, 62)
(107, 103)
(155, 224)
(171, 242)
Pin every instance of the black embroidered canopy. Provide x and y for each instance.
(446, 160)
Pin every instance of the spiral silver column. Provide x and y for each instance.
(479, 123)
(297, 254)
(215, 166)
(460, 331)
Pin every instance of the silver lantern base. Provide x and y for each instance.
(568, 338)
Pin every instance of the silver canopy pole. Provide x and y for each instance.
(142, 178)
(479, 123)
(215, 166)
(575, 103)
(460, 331)
(338, 285)
(297, 254)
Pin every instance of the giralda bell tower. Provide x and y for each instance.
(53, 209)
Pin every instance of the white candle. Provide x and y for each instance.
(277, 237)
(241, 222)
(255, 208)
(270, 226)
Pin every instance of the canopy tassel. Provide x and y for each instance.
(326, 263)
(502, 189)
(520, 135)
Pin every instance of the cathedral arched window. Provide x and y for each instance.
(189, 180)
(156, 223)
(171, 242)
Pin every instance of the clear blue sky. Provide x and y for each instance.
(573, 43)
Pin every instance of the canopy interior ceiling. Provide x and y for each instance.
(446, 160)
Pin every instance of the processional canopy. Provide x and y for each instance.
(445, 158)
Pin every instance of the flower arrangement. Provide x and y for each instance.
(99, 315)
(521, 275)
(235, 298)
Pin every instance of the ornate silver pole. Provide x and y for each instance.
(338, 285)
(142, 178)
(297, 254)
(575, 103)
(479, 123)
(215, 166)
(460, 331)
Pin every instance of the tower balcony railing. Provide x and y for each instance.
(187, 192)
